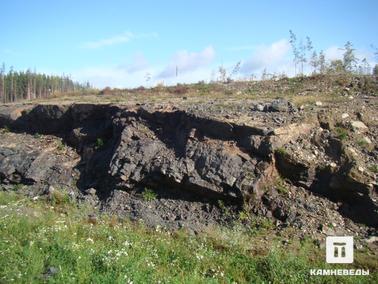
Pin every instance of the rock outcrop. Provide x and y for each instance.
(126, 149)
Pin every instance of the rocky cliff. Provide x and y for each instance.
(200, 168)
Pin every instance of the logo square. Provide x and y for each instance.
(339, 249)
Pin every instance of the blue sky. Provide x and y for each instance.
(118, 43)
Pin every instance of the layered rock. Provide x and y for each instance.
(129, 148)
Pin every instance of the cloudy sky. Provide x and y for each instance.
(133, 43)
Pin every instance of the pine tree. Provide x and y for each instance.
(293, 43)
(309, 48)
(322, 62)
(302, 55)
(15, 86)
(375, 70)
(349, 59)
(314, 61)
(2, 84)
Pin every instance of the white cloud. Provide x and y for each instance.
(139, 63)
(112, 76)
(241, 47)
(121, 38)
(333, 53)
(268, 56)
(117, 77)
(336, 52)
(117, 39)
(196, 66)
(186, 61)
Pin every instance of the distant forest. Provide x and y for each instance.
(16, 86)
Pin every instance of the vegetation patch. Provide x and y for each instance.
(282, 152)
(341, 133)
(148, 194)
(281, 187)
(374, 169)
(48, 246)
(99, 143)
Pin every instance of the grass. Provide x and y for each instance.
(341, 133)
(281, 151)
(280, 186)
(59, 197)
(36, 237)
(17, 187)
(60, 146)
(325, 88)
(99, 143)
(362, 143)
(148, 194)
(374, 169)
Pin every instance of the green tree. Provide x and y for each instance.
(222, 74)
(365, 67)
(375, 70)
(302, 54)
(336, 67)
(309, 48)
(19, 85)
(322, 62)
(293, 43)
(314, 61)
(2, 83)
(349, 58)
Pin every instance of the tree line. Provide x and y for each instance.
(28, 85)
(304, 54)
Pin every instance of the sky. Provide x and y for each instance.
(132, 43)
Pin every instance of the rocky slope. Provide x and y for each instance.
(312, 169)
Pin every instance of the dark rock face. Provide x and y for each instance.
(303, 174)
(35, 161)
(148, 148)
(207, 165)
(120, 151)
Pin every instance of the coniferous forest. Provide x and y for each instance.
(27, 85)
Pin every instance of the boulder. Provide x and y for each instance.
(358, 126)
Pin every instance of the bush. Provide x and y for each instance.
(106, 91)
(180, 89)
(99, 143)
(148, 194)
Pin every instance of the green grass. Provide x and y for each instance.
(341, 133)
(280, 186)
(362, 143)
(281, 151)
(60, 146)
(17, 187)
(99, 143)
(36, 236)
(374, 169)
(148, 194)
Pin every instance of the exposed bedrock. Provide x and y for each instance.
(125, 148)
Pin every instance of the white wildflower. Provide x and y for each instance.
(90, 240)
